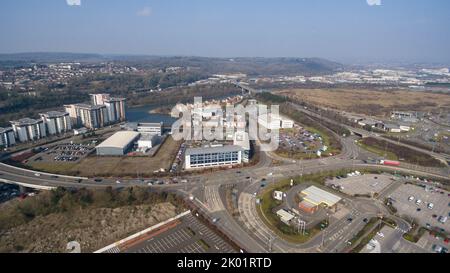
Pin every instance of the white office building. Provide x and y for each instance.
(7, 138)
(57, 122)
(213, 156)
(150, 128)
(28, 129)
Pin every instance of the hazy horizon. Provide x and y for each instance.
(350, 31)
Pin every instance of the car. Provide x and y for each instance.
(80, 180)
(248, 177)
(365, 220)
(215, 220)
(418, 202)
(98, 180)
(430, 206)
(443, 219)
(428, 226)
(411, 198)
(418, 209)
(37, 174)
(380, 234)
(118, 182)
(350, 219)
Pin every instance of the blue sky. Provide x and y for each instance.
(342, 30)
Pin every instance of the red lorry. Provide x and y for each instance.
(390, 163)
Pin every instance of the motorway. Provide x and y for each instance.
(249, 230)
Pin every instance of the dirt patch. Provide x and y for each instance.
(370, 102)
(93, 228)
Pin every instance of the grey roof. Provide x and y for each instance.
(26, 121)
(55, 114)
(119, 140)
(207, 150)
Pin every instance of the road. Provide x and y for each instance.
(249, 230)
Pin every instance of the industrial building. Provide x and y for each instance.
(28, 129)
(118, 144)
(7, 138)
(147, 142)
(213, 156)
(314, 197)
(57, 122)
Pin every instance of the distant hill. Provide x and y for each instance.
(250, 66)
(50, 57)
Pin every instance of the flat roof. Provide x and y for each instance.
(119, 140)
(55, 114)
(284, 215)
(26, 121)
(318, 196)
(207, 150)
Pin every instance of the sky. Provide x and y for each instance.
(340, 30)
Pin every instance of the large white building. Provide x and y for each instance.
(213, 156)
(118, 144)
(150, 128)
(57, 122)
(7, 138)
(28, 129)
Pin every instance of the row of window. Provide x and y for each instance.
(214, 158)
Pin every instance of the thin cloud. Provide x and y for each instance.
(73, 2)
(144, 12)
(374, 2)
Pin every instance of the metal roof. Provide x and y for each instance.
(119, 140)
(318, 196)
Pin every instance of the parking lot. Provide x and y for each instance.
(367, 184)
(299, 140)
(64, 153)
(414, 201)
(189, 236)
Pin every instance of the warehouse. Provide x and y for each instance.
(118, 144)
(313, 198)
